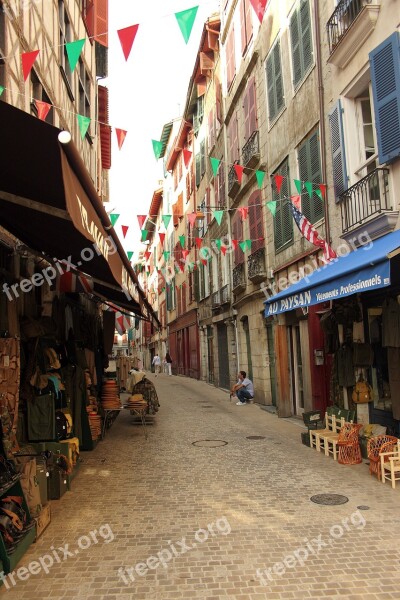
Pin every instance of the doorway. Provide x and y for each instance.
(296, 363)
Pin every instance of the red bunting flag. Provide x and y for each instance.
(124, 230)
(147, 254)
(192, 218)
(244, 211)
(162, 238)
(223, 250)
(121, 135)
(127, 37)
(259, 7)
(28, 58)
(185, 253)
(278, 181)
(203, 260)
(199, 241)
(187, 155)
(322, 187)
(235, 244)
(42, 108)
(296, 201)
(141, 219)
(239, 172)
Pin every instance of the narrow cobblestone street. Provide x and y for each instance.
(176, 520)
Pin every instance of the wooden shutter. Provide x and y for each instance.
(202, 158)
(283, 221)
(198, 169)
(187, 186)
(243, 35)
(211, 130)
(271, 86)
(230, 57)
(310, 170)
(208, 209)
(295, 43)
(233, 137)
(385, 78)
(248, 20)
(221, 185)
(249, 107)
(88, 15)
(340, 181)
(256, 221)
(306, 41)
(101, 22)
(280, 101)
(237, 234)
(218, 94)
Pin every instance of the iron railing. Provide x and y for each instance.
(344, 15)
(251, 150)
(215, 299)
(367, 197)
(256, 265)
(233, 184)
(239, 282)
(224, 296)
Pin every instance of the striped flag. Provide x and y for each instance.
(74, 281)
(311, 234)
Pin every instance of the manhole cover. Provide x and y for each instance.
(207, 406)
(329, 499)
(363, 507)
(255, 437)
(209, 443)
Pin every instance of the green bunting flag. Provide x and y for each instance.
(166, 254)
(319, 193)
(144, 234)
(260, 178)
(309, 187)
(114, 218)
(248, 242)
(214, 165)
(1, 90)
(83, 123)
(166, 219)
(272, 207)
(186, 20)
(74, 50)
(298, 185)
(218, 244)
(182, 240)
(218, 214)
(243, 246)
(157, 148)
(129, 255)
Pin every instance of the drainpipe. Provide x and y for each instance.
(321, 114)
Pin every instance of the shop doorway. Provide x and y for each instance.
(210, 353)
(271, 362)
(296, 364)
(223, 357)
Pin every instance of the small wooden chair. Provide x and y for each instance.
(390, 465)
(316, 435)
(349, 445)
(376, 445)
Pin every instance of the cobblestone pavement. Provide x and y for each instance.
(233, 521)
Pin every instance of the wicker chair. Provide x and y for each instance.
(376, 446)
(348, 444)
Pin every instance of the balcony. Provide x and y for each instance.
(233, 184)
(349, 26)
(239, 281)
(366, 206)
(215, 300)
(256, 270)
(251, 151)
(224, 294)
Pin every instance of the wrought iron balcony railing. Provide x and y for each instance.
(256, 270)
(224, 296)
(344, 15)
(239, 281)
(215, 299)
(251, 151)
(367, 197)
(233, 184)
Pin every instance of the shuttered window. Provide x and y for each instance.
(219, 186)
(211, 129)
(385, 78)
(95, 16)
(237, 234)
(198, 169)
(202, 158)
(218, 99)
(301, 41)
(233, 139)
(249, 108)
(246, 25)
(276, 99)
(283, 220)
(256, 221)
(308, 157)
(340, 181)
(230, 57)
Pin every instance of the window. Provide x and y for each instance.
(211, 130)
(230, 57)
(218, 103)
(246, 25)
(233, 139)
(179, 161)
(301, 42)
(65, 37)
(340, 182)
(256, 221)
(170, 289)
(83, 90)
(308, 156)
(200, 163)
(219, 186)
(237, 234)
(198, 116)
(95, 17)
(249, 108)
(276, 100)
(283, 220)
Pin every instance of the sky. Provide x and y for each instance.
(146, 92)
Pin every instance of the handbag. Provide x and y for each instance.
(362, 392)
(363, 355)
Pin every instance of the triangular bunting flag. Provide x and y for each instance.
(124, 230)
(244, 210)
(121, 135)
(192, 218)
(235, 244)
(129, 255)
(83, 123)
(144, 234)
(243, 246)
(182, 267)
(260, 178)
(1, 90)
(259, 7)
(147, 254)
(162, 238)
(299, 185)
(322, 188)
(185, 253)
(309, 187)
(278, 182)
(272, 207)
(166, 254)
(187, 155)
(166, 219)
(204, 261)
(239, 172)
(218, 244)
(141, 219)
(28, 58)
(182, 240)
(42, 108)
(319, 194)
(296, 201)
(127, 37)
(74, 50)
(214, 164)
(223, 250)
(248, 243)
(157, 148)
(186, 20)
(114, 218)
(199, 241)
(218, 214)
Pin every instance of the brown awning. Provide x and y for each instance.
(49, 202)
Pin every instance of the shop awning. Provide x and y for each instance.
(49, 202)
(366, 268)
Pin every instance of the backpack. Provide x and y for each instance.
(362, 392)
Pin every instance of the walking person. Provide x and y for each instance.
(243, 389)
(168, 362)
(157, 364)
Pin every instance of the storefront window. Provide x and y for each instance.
(379, 369)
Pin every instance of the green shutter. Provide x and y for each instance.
(198, 169)
(202, 158)
(283, 221)
(196, 285)
(272, 108)
(295, 42)
(278, 77)
(274, 82)
(306, 41)
(310, 170)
